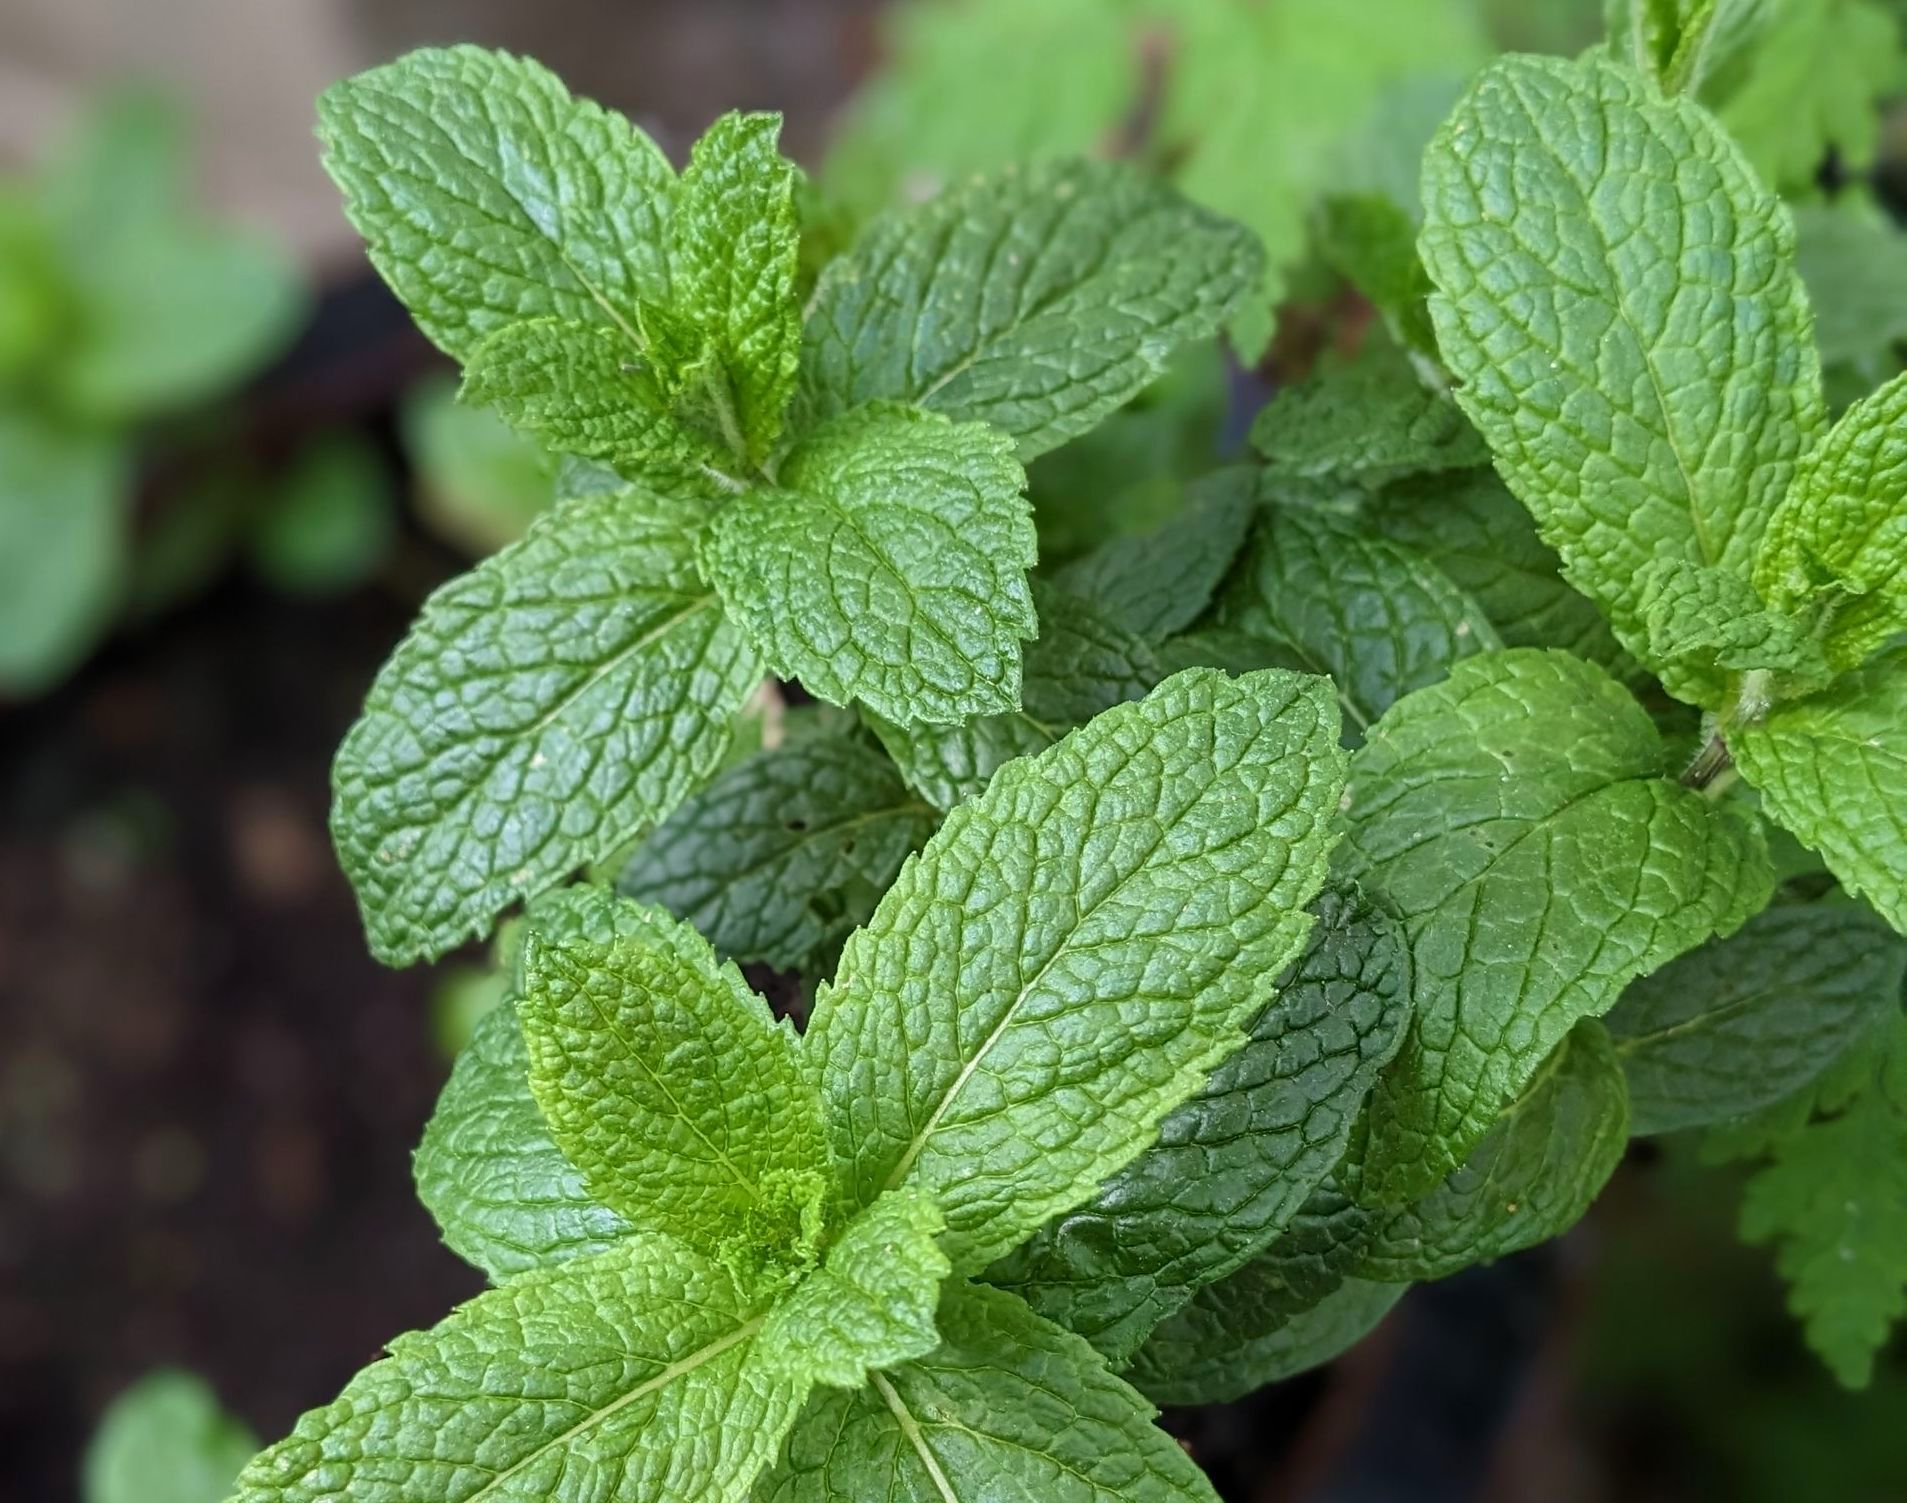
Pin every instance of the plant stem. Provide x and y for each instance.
(1710, 763)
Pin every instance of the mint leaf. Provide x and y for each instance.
(1838, 542)
(1007, 1407)
(480, 483)
(1850, 256)
(1833, 770)
(488, 196)
(1372, 243)
(1366, 421)
(1037, 301)
(1080, 664)
(666, 1080)
(981, 1039)
(1478, 534)
(784, 853)
(1516, 818)
(871, 1304)
(545, 707)
(1834, 1199)
(1376, 618)
(1736, 1025)
(1284, 1311)
(888, 567)
(1581, 320)
(637, 1373)
(1161, 582)
(736, 242)
(1235, 1162)
(1530, 1178)
(165, 1440)
(1710, 624)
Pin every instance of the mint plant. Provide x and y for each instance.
(164, 1440)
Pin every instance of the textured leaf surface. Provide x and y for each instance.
(487, 195)
(545, 707)
(1035, 300)
(1080, 664)
(1838, 543)
(1617, 298)
(586, 1378)
(1235, 1162)
(1833, 769)
(1707, 623)
(1515, 817)
(1531, 1177)
(165, 1440)
(669, 1084)
(871, 1304)
(1075, 950)
(1736, 1025)
(1470, 527)
(1277, 1315)
(1007, 1407)
(784, 853)
(1376, 618)
(1161, 582)
(889, 567)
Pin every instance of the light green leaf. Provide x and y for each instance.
(736, 243)
(63, 521)
(545, 708)
(165, 1440)
(1530, 1178)
(1366, 421)
(1161, 582)
(1293, 1306)
(1080, 664)
(889, 567)
(666, 1080)
(637, 1375)
(1478, 534)
(1037, 300)
(1375, 617)
(1710, 625)
(1838, 543)
(1833, 769)
(871, 1305)
(480, 483)
(1617, 298)
(1736, 1025)
(785, 853)
(1075, 950)
(1516, 818)
(1851, 258)
(1235, 1162)
(487, 195)
(1007, 1407)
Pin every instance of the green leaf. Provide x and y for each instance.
(1080, 664)
(1833, 769)
(1075, 950)
(1007, 1407)
(1037, 300)
(1371, 242)
(1530, 1178)
(737, 239)
(332, 522)
(165, 1440)
(1293, 1306)
(1850, 258)
(63, 519)
(1617, 299)
(1161, 582)
(637, 1374)
(1470, 527)
(1838, 542)
(546, 707)
(1711, 624)
(1516, 818)
(488, 196)
(1736, 1025)
(783, 854)
(1366, 421)
(1234, 1163)
(889, 567)
(480, 482)
(1833, 1198)
(871, 1305)
(1375, 617)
